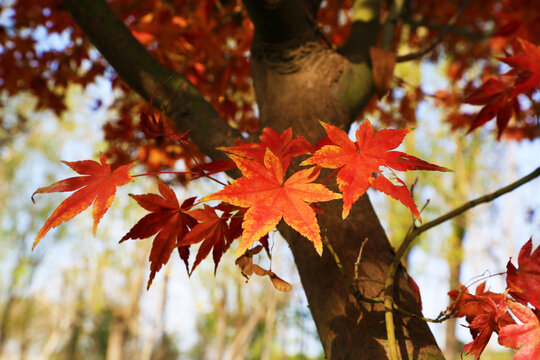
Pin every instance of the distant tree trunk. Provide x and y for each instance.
(4, 320)
(269, 326)
(75, 331)
(115, 342)
(452, 349)
(454, 254)
(221, 329)
(161, 312)
(124, 316)
(22, 261)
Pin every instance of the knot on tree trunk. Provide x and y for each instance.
(289, 57)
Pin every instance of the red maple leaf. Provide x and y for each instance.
(282, 145)
(215, 232)
(168, 219)
(360, 163)
(526, 67)
(525, 336)
(269, 198)
(492, 315)
(485, 311)
(97, 186)
(524, 283)
(496, 96)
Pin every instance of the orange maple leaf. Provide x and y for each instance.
(168, 219)
(360, 163)
(269, 199)
(97, 186)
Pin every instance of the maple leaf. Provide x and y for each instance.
(496, 96)
(282, 145)
(524, 283)
(360, 163)
(526, 66)
(168, 219)
(491, 314)
(525, 337)
(485, 311)
(269, 199)
(97, 186)
(215, 232)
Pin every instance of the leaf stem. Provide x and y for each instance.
(201, 175)
(329, 176)
(167, 172)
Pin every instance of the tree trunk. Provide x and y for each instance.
(298, 82)
(124, 316)
(454, 254)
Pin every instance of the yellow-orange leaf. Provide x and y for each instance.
(269, 199)
(97, 186)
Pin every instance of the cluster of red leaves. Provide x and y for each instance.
(44, 71)
(488, 312)
(253, 204)
(498, 95)
(180, 226)
(153, 141)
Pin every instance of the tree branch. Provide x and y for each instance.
(473, 36)
(444, 31)
(143, 73)
(279, 21)
(415, 231)
(364, 28)
(391, 23)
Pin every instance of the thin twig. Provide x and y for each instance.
(352, 288)
(453, 21)
(416, 231)
(358, 258)
(473, 36)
